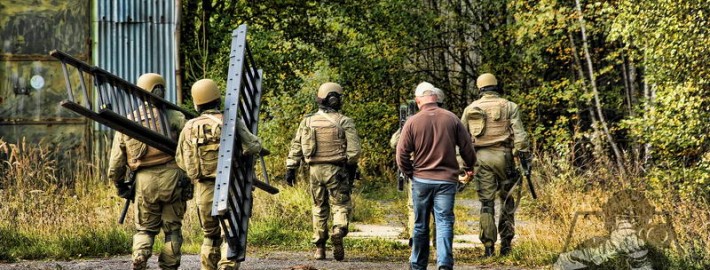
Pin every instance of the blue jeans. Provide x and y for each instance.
(440, 198)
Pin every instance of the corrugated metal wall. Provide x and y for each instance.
(133, 37)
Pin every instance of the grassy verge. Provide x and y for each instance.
(44, 216)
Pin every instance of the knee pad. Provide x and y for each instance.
(212, 242)
(173, 236)
(173, 240)
(339, 231)
(488, 207)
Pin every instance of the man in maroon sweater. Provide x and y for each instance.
(431, 137)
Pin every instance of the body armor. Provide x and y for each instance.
(140, 155)
(205, 132)
(496, 122)
(325, 141)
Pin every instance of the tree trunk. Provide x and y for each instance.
(595, 92)
(463, 54)
(631, 92)
(580, 73)
(649, 95)
(627, 86)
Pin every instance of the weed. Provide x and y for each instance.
(47, 214)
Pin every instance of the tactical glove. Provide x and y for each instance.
(124, 190)
(525, 161)
(290, 177)
(264, 152)
(353, 172)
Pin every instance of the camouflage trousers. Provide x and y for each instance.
(330, 190)
(213, 252)
(495, 174)
(158, 205)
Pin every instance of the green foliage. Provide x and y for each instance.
(12, 241)
(667, 37)
(86, 243)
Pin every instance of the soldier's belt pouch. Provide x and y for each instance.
(476, 122)
(208, 159)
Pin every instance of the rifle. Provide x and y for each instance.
(130, 180)
(526, 167)
(405, 111)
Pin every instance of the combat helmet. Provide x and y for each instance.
(204, 91)
(329, 95)
(152, 82)
(487, 82)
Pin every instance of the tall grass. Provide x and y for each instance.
(45, 213)
(566, 191)
(48, 214)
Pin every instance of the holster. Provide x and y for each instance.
(187, 188)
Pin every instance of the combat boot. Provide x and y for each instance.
(489, 251)
(140, 263)
(320, 252)
(337, 240)
(505, 247)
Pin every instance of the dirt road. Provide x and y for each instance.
(277, 260)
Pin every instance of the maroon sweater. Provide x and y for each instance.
(431, 136)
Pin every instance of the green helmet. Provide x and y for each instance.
(151, 82)
(486, 80)
(204, 91)
(328, 87)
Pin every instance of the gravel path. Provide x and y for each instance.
(282, 259)
(276, 260)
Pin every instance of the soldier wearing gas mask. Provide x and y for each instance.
(329, 144)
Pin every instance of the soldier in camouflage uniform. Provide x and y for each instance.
(159, 202)
(498, 134)
(329, 143)
(197, 152)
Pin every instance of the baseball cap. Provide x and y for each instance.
(425, 89)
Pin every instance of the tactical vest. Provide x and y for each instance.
(204, 134)
(492, 114)
(324, 139)
(140, 155)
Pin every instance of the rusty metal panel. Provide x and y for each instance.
(134, 37)
(31, 82)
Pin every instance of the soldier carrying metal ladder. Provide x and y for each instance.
(198, 148)
(158, 185)
(121, 104)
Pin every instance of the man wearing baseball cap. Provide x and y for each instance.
(426, 154)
